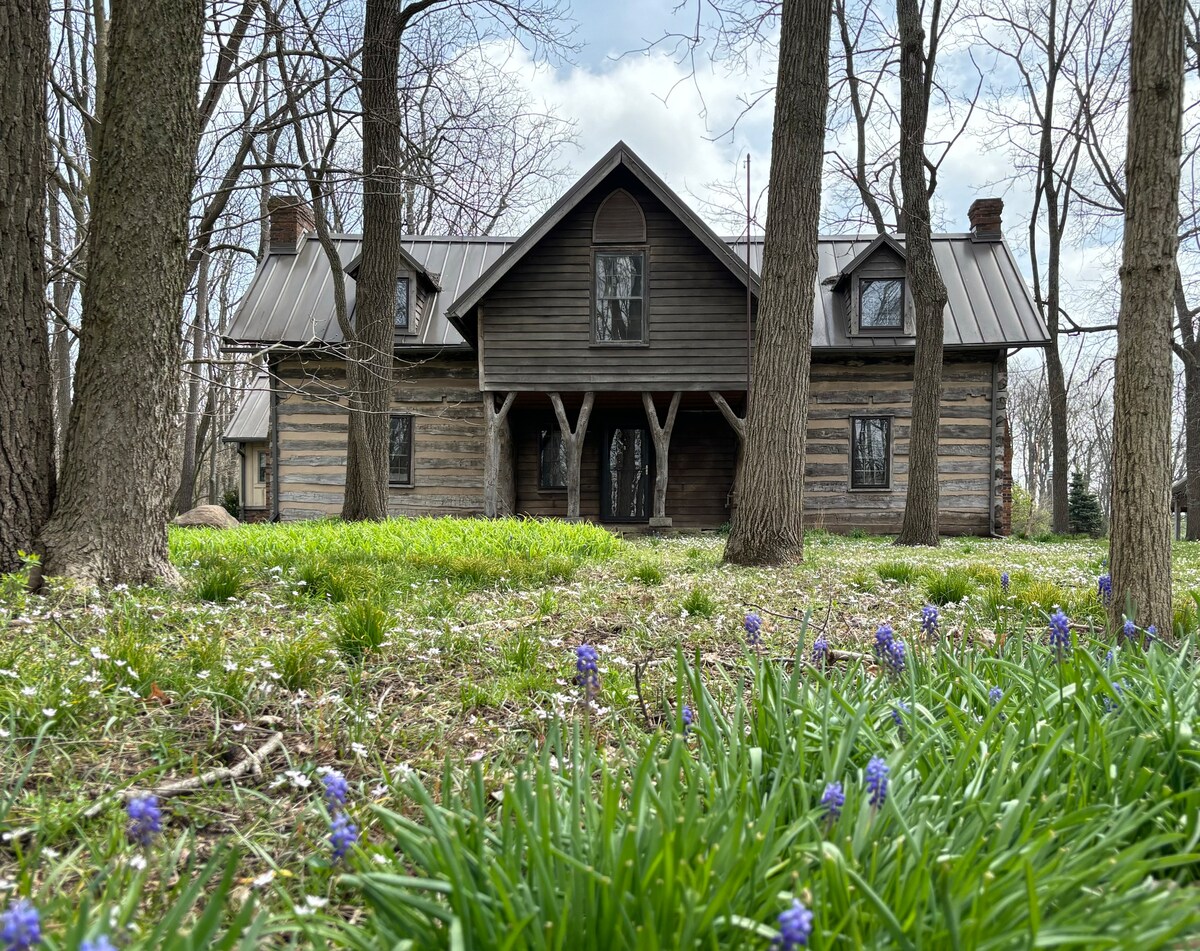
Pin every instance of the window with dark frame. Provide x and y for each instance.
(402, 303)
(881, 303)
(625, 475)
(619, 314)
(262, 467)
(870, 452)
(552, 460)
(400, 450)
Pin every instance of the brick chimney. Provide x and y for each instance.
(985, 216)
(291, 218)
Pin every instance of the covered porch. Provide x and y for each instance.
(636, 461)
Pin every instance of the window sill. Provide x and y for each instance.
(401, 485)
(871, 488)
(618, 344)
(542, 490)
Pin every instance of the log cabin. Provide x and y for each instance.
(597, 367)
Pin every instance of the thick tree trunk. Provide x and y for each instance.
(26, 400)
(661, 434)
(110, 519)
(1140, 539)
(1191, 424)
(187, 477)
(768, 522)
(497, 494)
(1059, 463)
(920, 525)
(573, 441)
(370, 368)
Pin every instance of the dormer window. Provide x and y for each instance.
(619, 315)
(881, 304)
(402, 299)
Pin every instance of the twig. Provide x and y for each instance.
(638, 667)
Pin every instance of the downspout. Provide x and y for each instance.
(274, 486)
(992, 455)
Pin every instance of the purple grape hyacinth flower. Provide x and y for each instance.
(342, 836)
(877, 780)
(753, 625)
(994, 696)
(889, 649)
(145, 820)
(1060, 634)
(795, 926)
(884, 636)
(20, 926)
(337, 790)
(1104, 588)
(832, 801)
(687, 717)
(103, 943)
(587, 670)
(898, 712)
(1129, 629)
(1004, 581)
(929, 621)
(820, 652)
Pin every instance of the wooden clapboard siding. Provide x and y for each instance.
(536, 324)
(448, 439)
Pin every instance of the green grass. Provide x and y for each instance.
(441, 652)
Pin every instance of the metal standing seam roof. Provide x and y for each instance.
(290, 299)
(251, 420)
(988, 303)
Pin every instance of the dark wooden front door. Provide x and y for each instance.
(625, 467)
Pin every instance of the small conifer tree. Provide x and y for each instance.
(1083, 508)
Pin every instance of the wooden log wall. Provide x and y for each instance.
(448, 437)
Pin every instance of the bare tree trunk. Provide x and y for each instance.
(496, 424)
(26, 401)
(768, 523)
(110, 519)
(1140, 539)
(369, 371)
(1191, 425)
(573, 441)
(187, 478)
(661, 434)
(920, 525)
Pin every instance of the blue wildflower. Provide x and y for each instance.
(1129, 629)
(895, 657)
(1004, 581)
(1104, 588)
(795, 925)
(832, 800)
(1110, 705)
(145, 820)
(587, 668)
(929, 621)
(342, 836)
(1151, 634)
(337, 790)
(898, 712)
(877, 780)
(687, 716)
(884, 637)
(820, 652)
(994, 696)
(20, 926)
(753, 629)
(1109, 658)
(1060, 634)
(103, 943)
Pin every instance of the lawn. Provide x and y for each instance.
(1032, 797)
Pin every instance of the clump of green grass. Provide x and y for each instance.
(948, 587)
(699, 603)
(646, 572)
(219, 582)
(863, 579)
(1039, 595)
(901, 572)
(361, 628)
(299, 659)
(735, 808)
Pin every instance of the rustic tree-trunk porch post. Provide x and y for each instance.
(573, 441)
(738, 425)
(662, 443)
(497, 451)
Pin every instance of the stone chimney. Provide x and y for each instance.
(290, 218)
(985, 216)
